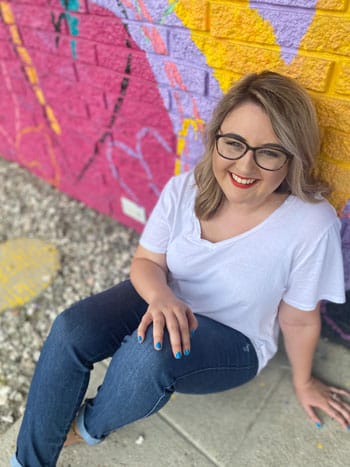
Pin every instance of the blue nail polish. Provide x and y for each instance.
(158, 345)
(139, 338)
(193, 332)
(348, 427)
(318, 424)
(187, 352)
(178, 355)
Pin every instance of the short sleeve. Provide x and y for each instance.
(318, 272)
(155, 236)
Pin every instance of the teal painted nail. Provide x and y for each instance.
(178, 355)
(318, 424)
(139, 338)
(193, 332)
(187, 352)
(158, 345)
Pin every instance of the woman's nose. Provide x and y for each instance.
(246, 163)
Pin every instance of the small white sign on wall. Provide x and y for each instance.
(133, 210)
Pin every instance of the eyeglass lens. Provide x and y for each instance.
(266, 157)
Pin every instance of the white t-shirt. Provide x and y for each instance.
(294, 255)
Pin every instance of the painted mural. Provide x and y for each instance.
(106, 99)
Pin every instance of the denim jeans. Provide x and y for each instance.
(139, 380)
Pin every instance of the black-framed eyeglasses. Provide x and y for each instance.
(268, 157)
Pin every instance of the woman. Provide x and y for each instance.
(233, 251)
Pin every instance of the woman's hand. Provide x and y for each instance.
(315, 394)
(173, 314)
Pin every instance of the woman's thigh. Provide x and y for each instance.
(221, 358)
(97, 325)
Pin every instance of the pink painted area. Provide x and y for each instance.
(116, 137)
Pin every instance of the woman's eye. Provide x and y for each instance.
(270, 153)
(234, 144)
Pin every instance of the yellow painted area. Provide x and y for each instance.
(236, 40)
(6, 13)
(24, 55)
(8, 18)
(197, 125)
(52, 119)
(15, 34)
(32, 76)
(27, 267)
(39, 95)
(193, 13)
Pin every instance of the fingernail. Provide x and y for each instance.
(193, 332)
(158, 345)
(187, 352)
(178, 355)
(318, 424)
(139, 338)
(348, 427)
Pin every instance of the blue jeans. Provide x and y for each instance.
(139, 380)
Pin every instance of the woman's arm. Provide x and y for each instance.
(148, 275)
(301, 332)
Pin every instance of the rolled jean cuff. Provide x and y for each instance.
(82, 430)
(14, 462)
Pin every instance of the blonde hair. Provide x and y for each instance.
(294, 121)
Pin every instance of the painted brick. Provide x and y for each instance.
(183, 49)
(117, 59)
(310, 72)
(328, 34)
(193, 13)
(6, 51)
(226, 78)
(339, 179)
(333, 113)
(4, 30)
(61, 98)
(179, 75)
(103, 29)
(242, 24)
(97, 10)
(46, 41)
(47, 64)
(38, 17)
(82, 6)
(343, 82)
(336, 146)
(102, 78)
(150, 37)
(336, 5)
(37, 2)
(186, 100)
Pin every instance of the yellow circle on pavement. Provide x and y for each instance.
(27, 267)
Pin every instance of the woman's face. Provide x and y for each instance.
(242, 180)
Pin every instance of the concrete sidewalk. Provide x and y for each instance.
(257, 425)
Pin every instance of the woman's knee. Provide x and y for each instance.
(70, 326)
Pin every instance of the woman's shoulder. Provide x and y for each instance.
(317, 216)
(181, 184)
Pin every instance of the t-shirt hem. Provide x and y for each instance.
(304, 307)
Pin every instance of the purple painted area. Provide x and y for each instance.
(345, 235)
(290, 21)
(184, 84)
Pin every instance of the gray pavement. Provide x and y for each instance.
(259, 424)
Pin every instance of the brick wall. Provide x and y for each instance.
(106, 99)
